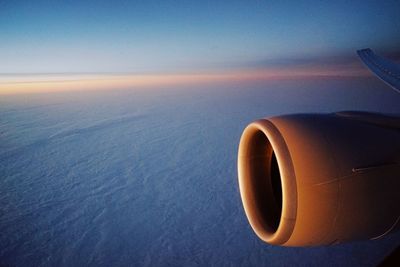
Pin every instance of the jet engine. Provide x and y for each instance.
(321, 179)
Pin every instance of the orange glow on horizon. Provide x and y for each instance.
(58, 83)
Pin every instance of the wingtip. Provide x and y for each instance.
(387, 71)
(364, 50)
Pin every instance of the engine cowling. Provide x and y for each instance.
(320, 179)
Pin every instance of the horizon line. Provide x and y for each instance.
(56, 82)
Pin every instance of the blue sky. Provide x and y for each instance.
(176, 36)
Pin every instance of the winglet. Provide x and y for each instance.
(386, 70)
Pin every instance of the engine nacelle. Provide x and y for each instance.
(320, 179)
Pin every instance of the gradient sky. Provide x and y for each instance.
(177, 36)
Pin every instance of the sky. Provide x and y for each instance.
(190, 36)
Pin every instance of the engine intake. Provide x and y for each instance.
(319, 179)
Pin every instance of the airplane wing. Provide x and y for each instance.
(386, 70)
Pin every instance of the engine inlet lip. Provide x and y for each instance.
(282, 232)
